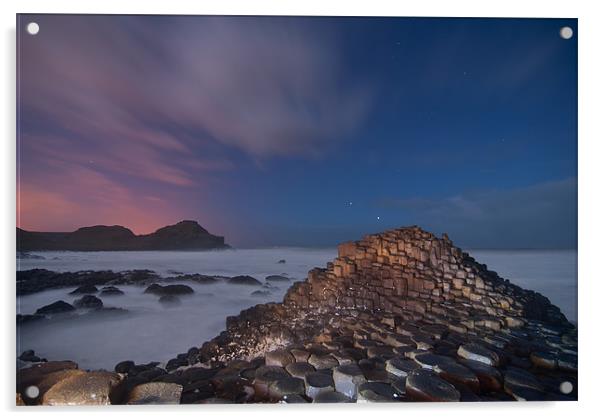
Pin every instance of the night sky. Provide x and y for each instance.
(301, 131)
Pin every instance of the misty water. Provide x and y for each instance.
(151, 332)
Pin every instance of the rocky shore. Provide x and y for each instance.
(398, 316)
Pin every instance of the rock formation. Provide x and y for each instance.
(183, 235)
(398, 316)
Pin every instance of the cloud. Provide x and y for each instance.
(267, 87)
(116, 109)
(538, 216)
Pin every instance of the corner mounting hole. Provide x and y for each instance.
(32, 391)
(566, 32)
(33, 28)
(566, 387)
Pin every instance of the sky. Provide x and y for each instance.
(300, 131)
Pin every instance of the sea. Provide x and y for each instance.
(149, 331)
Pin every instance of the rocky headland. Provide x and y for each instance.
(398, 316)
(185, 235)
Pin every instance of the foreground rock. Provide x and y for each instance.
(400, 316)
(244, 280)
(60, 306)
(156, 393)
(171, 289)
(88, 388)
(88, 301)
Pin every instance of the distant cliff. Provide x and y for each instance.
(185, 235)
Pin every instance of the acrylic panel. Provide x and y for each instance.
(287, 209)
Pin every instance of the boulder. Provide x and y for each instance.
(88, 301)
(244, 280)
(86, 289)
(170, 289)
(89, 388)
(111, 291)
(155, 393)
(57, 307)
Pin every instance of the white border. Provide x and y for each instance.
(590, 209)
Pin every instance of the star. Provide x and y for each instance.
(377, 217)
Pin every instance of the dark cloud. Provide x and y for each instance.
(539, 216)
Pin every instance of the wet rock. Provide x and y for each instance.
(170, 289)
(59, 306)
(478, 353)
(86, 289)
(270, 373)
(322, 361)
(376, 392)
(34, 374)
(455, 374)
(281, 262)
(347, 378)
(300, 355)
(90, 388)
(544, 360)
(518, 378)
(385, 352)
(316, 383)
(286, 386)
(331, 397)
(429, 360)
(299, 369)
(111, 291)
(170, 300)
(48, 381)
(244, 280)
(279, 357)
(567, 362)
(125, 367)
(490, 379)
(523, 393)
(425, 385)
(155, 393)
(29, 356)
(401, 367)
(89, 302)
(261, 293)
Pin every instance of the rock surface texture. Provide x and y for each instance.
(398, 316)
